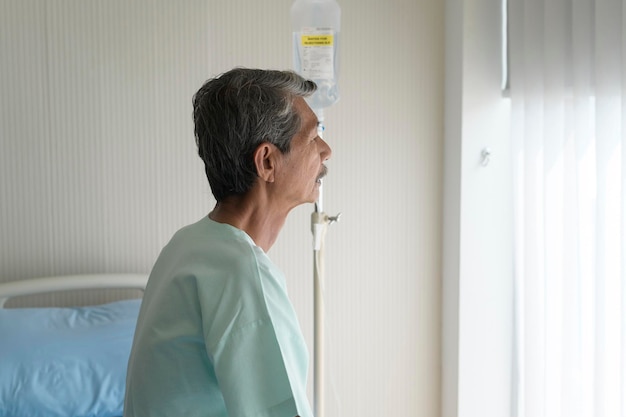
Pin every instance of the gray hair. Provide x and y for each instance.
(237, 111)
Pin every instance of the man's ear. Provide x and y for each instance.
(265, 161)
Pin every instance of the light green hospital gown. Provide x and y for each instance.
(216, 334)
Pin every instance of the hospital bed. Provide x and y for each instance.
(66, 361)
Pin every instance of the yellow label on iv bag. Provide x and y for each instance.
(316, 54)
(317, 40)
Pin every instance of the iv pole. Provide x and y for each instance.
(319, 224)
(316, 24)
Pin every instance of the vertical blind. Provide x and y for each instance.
(567, 88)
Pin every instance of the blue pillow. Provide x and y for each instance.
(65, 361)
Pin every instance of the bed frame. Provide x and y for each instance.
(70, 282)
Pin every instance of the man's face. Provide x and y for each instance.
(303, 166)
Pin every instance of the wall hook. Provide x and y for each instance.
(485, 157)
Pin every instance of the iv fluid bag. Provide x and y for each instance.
(316, 27)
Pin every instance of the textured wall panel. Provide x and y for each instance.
(98, 165)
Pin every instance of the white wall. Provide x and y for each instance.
(477, 255)
(98, 165)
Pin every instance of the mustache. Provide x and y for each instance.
(323, 172)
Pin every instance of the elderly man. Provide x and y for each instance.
(217, 334)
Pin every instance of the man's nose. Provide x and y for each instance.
(326, 152)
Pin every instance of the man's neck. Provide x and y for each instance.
(258, 220)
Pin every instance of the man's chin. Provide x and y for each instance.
(315, 195)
